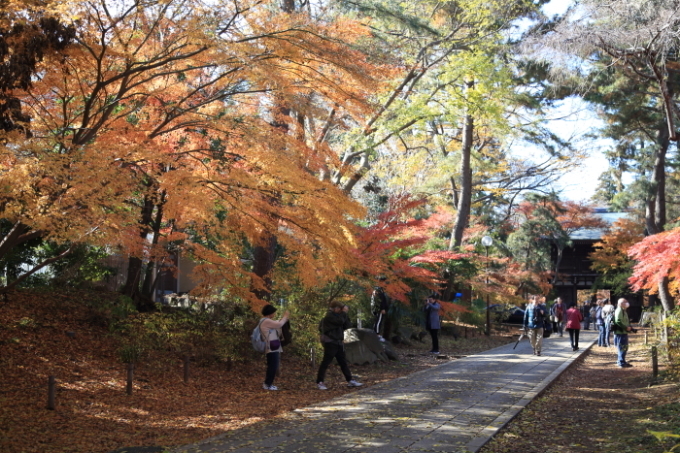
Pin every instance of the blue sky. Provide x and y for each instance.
(576, 119)
(581, 182)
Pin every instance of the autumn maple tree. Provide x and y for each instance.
(657, 258)
(610, 257)
(151, 123)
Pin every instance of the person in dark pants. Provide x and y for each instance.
(332, 328)
(574, 318)
(621, 327)
(271, 332)
(432, 321)
(379, 306)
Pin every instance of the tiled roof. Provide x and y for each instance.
(596, 234)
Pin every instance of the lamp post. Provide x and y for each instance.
(487, 242)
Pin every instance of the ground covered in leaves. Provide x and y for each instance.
(50, 334)
(596, 407)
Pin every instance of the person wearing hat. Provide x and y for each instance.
(271, 331)
(332, 329)
(621, 327)
(432, 320)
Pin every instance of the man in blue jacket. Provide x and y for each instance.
(534, 317)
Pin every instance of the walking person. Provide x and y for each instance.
(432, 320)
(586, 315)
(574, 318)
(534, 318)
(621, 327)
(599, 323)
(332, 329)
(379, 306)
(608, 317)
(558, 312)
(271, 332)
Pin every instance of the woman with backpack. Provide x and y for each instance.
(271, 332)
(574, 318)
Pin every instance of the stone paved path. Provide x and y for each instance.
(455, 407)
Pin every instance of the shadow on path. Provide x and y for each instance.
(455, 407)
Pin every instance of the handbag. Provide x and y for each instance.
(274, 343)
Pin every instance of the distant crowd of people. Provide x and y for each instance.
(601, 314)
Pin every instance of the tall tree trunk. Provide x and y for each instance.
(558, 260)
(151, 274)
(465, 200)
(264, 255)
(18, 234)
(655, 212)
(135, 264)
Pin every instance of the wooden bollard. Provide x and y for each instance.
(186, 369)
(655, 362)
(51, 392)
(130, 377)
(645, 338)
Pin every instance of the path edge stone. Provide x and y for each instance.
(506, 417)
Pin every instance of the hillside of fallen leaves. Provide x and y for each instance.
(46, 334)
(595, 406)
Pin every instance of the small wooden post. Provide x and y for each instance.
(130, 377)
(186, 369)
(645, 338)
(51, 392)
(655, 362)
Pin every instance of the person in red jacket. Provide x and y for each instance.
(574, 318)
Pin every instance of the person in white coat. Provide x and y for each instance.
(271, 332)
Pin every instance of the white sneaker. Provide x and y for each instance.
(321, 386)
(354, 383)
(381, 338)
(269, 387)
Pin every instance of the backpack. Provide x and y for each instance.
(609, 321)
(256, 338)
(539, 318)
(547, 329)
